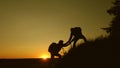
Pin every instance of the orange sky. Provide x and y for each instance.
(28, 27)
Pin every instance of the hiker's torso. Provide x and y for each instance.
(55, 48)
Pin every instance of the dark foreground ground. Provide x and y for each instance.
(24, 63)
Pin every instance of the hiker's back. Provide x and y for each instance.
(52, 47)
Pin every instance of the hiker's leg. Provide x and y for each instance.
(52, 57)
(58, 56)
(74, 44)
(51, 61)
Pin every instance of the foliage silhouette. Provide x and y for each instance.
(114, 28)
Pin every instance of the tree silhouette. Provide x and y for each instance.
(114, 28)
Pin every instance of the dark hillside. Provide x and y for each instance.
(100, 53)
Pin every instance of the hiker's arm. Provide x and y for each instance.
(84, 38)
(68, 42)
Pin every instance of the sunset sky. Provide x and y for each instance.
(28, 27)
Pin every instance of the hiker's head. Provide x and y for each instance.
(72, 29)
(75, 29)
(78, 28)
(61, 42)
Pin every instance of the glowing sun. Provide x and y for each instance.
(44, 56)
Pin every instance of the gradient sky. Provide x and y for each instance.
(28, 27)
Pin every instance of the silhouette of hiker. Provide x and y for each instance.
(54, 49)
(76, 34)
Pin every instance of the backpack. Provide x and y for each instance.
(52, 47)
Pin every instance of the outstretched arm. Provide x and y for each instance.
(84, 38)
(69, 40)
(66, 44)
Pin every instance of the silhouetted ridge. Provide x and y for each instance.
(99, 53)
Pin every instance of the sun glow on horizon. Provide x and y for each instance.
(44, 56)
